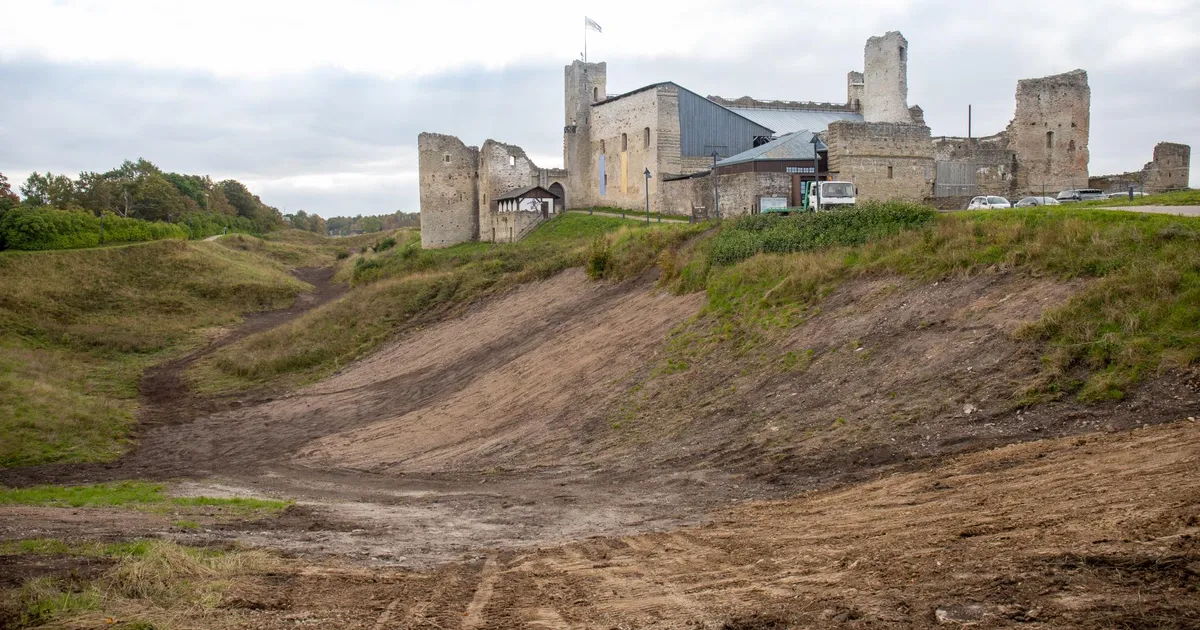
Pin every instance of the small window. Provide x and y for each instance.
(446, 158)
(890, 169)
(646, 138)
(602, 146)
(902, 53)
(512, 160)
(595, 94)
(624, 142)
(1049, 139)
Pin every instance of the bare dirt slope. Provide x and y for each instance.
(1079, 532)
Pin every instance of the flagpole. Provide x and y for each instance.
(585, 30)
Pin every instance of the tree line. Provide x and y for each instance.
(52, 204)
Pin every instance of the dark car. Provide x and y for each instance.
(1029, 202)
(1081, 194)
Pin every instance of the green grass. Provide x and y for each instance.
(152, 584)
(87, 549)
(1173, 198)
(1138, 314)
(132, 494)
(405, 285)
(604, 210)
(77, 329)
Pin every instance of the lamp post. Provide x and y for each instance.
(648, 176)
(816, 142)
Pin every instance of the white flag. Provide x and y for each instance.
(590, 23)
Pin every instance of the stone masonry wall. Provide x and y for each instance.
(626, 160)
(1170, 168)
(448, 177)
(1049, 132)
(1167, 171)
(854, 90)
(885, 75)
(739, 193)
(995, 163)
(884, 160)
(502, 167)
(582, 83)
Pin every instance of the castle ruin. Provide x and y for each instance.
(874, 139)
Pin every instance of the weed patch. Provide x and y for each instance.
(132, 494)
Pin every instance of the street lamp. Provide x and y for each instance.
(648, 176)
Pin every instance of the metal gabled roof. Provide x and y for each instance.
(794, 146)
(792, 120)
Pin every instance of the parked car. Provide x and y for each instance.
(988, 202)
(1080, 194)
(1029, 202)
(1125, 194)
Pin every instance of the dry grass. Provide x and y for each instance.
(77, 328)
(1140, 314)
(404, 286)
(156, 584)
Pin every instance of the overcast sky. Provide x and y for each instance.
(317, 105)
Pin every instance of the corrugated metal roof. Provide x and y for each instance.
(794, 146)
(792, 120)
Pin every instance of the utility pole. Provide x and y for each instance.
(968, 122)
(648, 176)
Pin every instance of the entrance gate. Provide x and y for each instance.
(955, 178)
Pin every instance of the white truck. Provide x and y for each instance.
(820, 196)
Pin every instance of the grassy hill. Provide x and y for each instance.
(77, 328)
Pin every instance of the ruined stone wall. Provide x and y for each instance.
(854, 90)
(627, 158)
(746, 101)
(511, 226)
(884, 160)
(1170, 168)
(448, 179)
(885, 78)
(1167, 171)
(995, 163)
(1049, 132)
(738, 193)
(502, 168)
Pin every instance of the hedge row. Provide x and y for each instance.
(48, 228)
(808, 231)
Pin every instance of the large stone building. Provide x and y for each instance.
(684, 141)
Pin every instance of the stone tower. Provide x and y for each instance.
(449, 179)
(1049, 132)
(583, 84)
(885, 79)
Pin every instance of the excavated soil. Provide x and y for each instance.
(536, 463)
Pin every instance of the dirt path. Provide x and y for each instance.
(166, 401)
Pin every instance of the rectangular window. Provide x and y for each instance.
(889, 172)
(646, 138)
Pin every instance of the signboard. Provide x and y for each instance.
(803, 170)
(772, 203)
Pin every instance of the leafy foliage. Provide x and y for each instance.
(808, 231)
(138, 190)
(345, 226)
(30, 228)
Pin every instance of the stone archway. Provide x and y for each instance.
(560, 204)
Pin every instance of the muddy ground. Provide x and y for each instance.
(536, 467)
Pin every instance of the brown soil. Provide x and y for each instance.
(537, 419)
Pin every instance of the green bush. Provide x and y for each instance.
(385, 244)
(774, 234)
(29, 228)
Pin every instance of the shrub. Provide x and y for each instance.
(343, 255)
(598, 257)
(385, 244)
(767, 233)
(49, 228)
